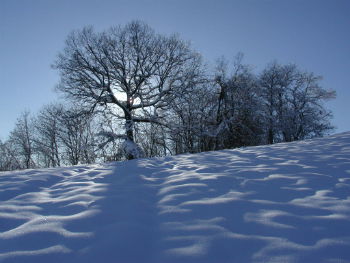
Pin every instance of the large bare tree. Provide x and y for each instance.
(130, 71)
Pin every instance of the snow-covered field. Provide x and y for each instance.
(282, 203)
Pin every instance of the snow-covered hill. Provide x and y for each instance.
(283, 203)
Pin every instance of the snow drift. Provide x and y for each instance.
(289, 202)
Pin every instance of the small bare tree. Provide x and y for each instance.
(128, 70)
(47, 134)
(293, 103)
(76, 137)
(9, 157)
(22, 139)
(238, 114)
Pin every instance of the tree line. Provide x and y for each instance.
(133, 93)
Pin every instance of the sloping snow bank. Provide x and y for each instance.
(283, 203)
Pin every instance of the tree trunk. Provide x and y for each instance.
(270, 136)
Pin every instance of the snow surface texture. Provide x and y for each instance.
(288, 202)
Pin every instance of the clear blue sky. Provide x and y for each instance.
(314, 34)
